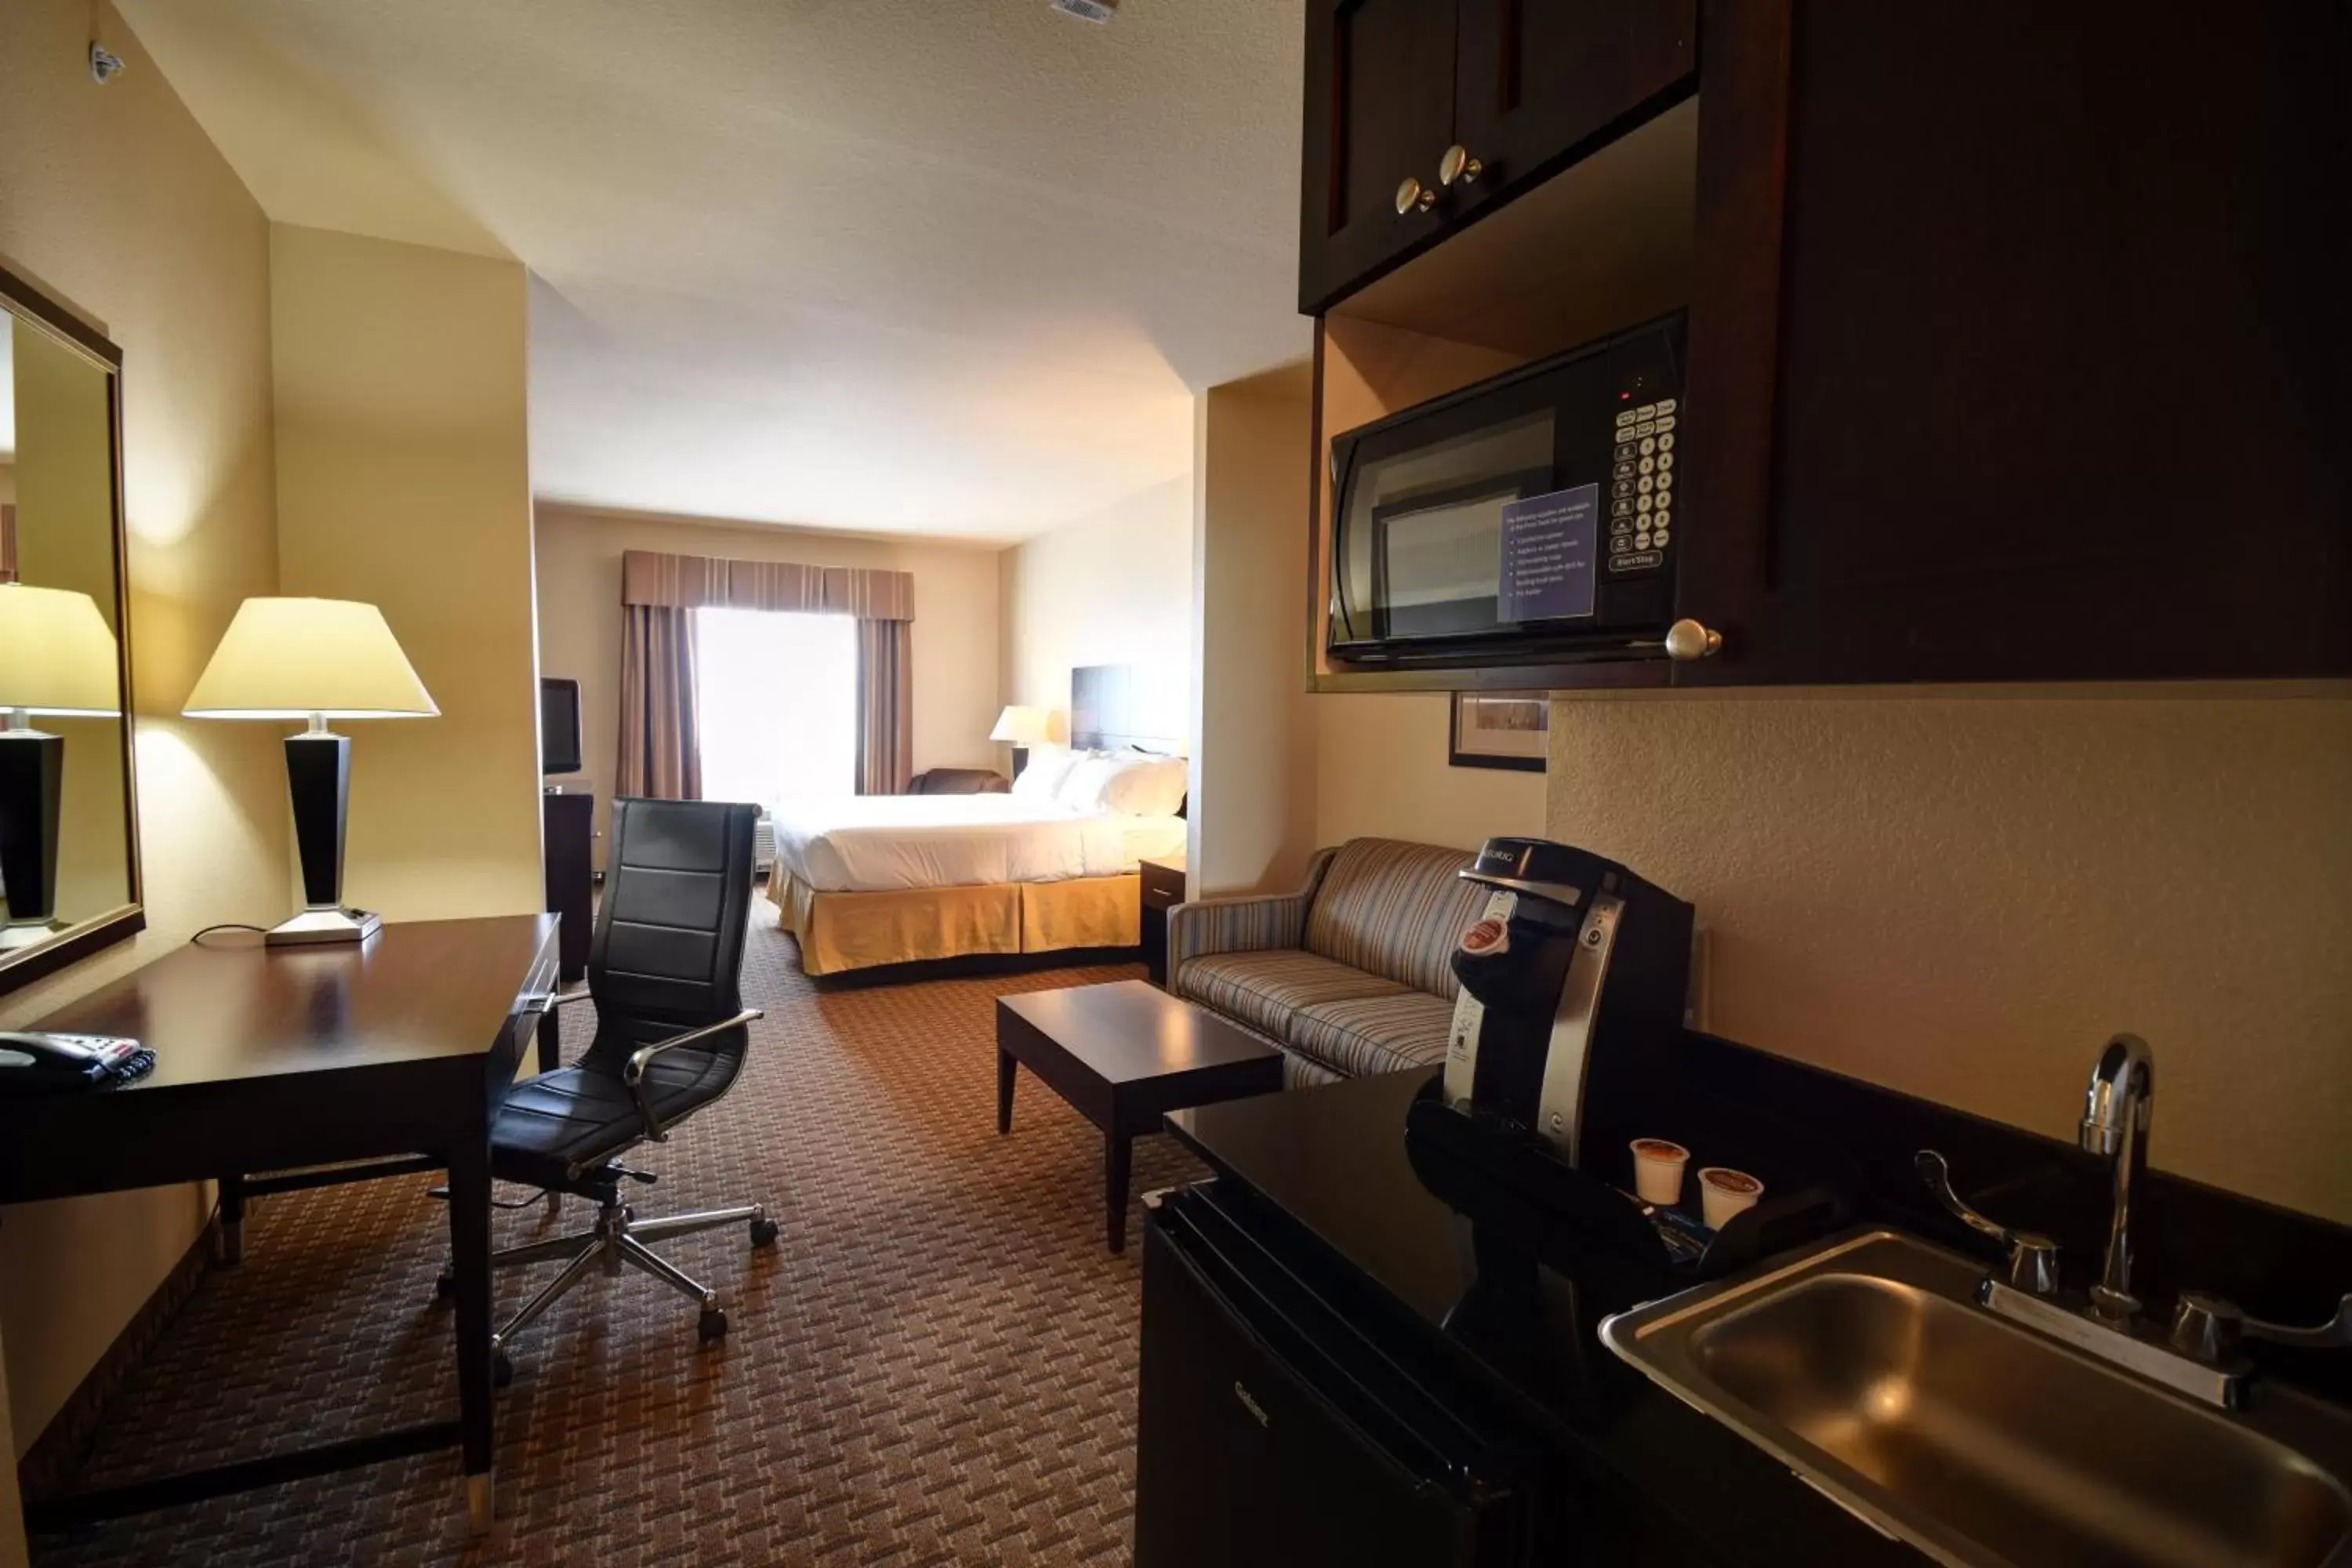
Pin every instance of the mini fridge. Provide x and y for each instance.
(1279, 1426)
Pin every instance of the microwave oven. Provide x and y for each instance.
(1535, 514)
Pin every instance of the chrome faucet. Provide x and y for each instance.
(2115, 1123)
(2199, 1354)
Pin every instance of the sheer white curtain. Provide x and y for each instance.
(778, 695)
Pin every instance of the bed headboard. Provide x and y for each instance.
(1114, 706)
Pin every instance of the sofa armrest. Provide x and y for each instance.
(1249, 924)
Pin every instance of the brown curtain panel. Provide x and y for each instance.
(886, 733)
(661, 749)
(659, 593)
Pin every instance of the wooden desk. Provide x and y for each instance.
(273, 1058)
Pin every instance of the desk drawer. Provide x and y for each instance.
(545, 981)
(537, 995)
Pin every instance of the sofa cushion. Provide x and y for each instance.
(1363, 1034)
(1396, 911)
(1264, 989)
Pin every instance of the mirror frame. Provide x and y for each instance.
(31, 309)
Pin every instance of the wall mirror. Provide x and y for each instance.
(68, 831)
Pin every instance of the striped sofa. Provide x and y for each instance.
(1351, 975)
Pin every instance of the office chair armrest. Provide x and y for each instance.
(634, 1075)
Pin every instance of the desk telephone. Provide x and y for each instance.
(56, 1064)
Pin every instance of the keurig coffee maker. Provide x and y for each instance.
(1573, 982)
(1566, 1045)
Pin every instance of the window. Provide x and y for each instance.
(778, 705)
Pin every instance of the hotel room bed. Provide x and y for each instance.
(875, 880)
(873, 844)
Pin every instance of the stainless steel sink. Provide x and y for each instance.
(1868, 1370)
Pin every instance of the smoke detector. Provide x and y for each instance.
(1091, 10)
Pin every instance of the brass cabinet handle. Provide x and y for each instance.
(1687, 640)
(1413, 196)
(1458, 165)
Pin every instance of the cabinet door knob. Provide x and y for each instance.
(1457, 165)
(1687, 640)
(1413, 195)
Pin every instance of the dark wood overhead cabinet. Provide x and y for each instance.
(2018, 339)
(2058, 389)
(1518, 85)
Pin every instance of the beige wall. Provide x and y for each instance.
(404, 479)
(955, 636)
(1112, 588)
(115, 197)
(1253, 756)
(1963, 896)
(1381, 772)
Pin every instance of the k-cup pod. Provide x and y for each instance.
(1723, 1194)
(1658, 1171)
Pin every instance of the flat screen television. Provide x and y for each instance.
(559, 726)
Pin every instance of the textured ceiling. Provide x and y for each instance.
(945, 266)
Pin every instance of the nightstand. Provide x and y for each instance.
(1163, 890)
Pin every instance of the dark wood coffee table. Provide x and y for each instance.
(1124, 1055)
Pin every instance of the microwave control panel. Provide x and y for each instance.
(1642, 516)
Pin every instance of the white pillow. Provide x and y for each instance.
(1147, 787)
(1125, 783)
(1090, 774)
(1041, 778)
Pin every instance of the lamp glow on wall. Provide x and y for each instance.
(57, 656)
(1024, 727)
(313, 659)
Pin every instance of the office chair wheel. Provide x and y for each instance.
(712, 1327)
(501, 1369)
(764, 1232)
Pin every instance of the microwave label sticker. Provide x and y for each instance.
(1551, 543)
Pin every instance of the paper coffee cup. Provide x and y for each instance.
(1725, 1193)
(1658, 1171)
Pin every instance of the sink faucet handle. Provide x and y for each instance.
(2210, 1328)
(2033, 1258)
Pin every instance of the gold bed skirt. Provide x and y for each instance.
(839, 932)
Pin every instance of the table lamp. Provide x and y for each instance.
(313, 659)
(1024, 727)
(56, 656)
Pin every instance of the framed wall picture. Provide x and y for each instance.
(1500, 730)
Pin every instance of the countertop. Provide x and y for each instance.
(1332, 1163)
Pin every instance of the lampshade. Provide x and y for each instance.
(1021, 726)
(57, 655)
(288, 659)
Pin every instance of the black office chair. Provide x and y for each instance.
(665, 972)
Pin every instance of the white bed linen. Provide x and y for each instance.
(880, 842)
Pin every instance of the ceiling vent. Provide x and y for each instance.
(1092, 10)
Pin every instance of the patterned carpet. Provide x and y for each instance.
(936, 1364)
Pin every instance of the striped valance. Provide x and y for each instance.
(690, 582)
